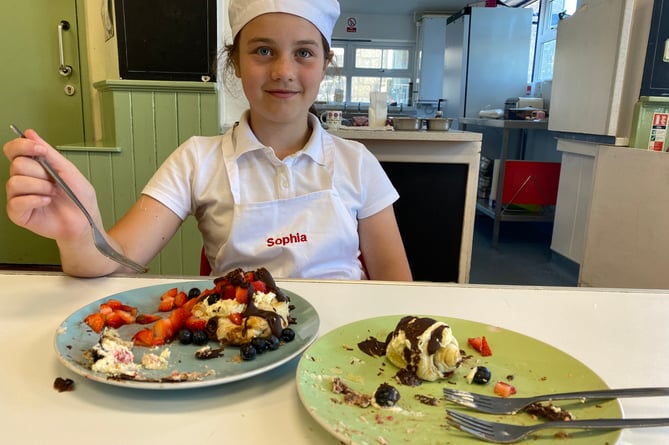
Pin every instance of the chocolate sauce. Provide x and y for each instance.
(373, 347)
(63, 385)
(274, 320)
(263, 275)
(408, 377)
(413, 328)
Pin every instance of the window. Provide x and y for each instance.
(362, 67)
(551, 13)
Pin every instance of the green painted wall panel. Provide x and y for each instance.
(150, 119)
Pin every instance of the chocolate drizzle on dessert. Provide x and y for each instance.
(413, 328)
(408, 377)
(263, 275)
(237, 277)
(373, 347)
(273, 319)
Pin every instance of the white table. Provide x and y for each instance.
(621, 335)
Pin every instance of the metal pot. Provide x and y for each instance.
(406, 123)
(439, 123)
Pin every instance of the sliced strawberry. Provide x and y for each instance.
(188, 306)
(480, 344)
(147, 318)
(195, 323)
(178, 318)
(170, 293)
(485, 348)
(163, 329)
(127, 317)
(114, 320)
(229, 293)
(504, 389)
(259, 286)
(180, 299)
(166, 304)
(143, 337)
(475, 342)
(236, 317)
(114, 304)
(128, 308)
(96, 321)
(106, 309)
(242, 294)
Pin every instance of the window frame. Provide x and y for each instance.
(546, 33)
(348, 71)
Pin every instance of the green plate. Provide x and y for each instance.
(531, 366)
(73, 337)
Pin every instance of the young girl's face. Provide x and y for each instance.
(281, 65)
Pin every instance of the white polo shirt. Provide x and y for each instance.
(193, 180)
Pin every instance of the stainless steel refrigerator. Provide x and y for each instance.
(486, 60)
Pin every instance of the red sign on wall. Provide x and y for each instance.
(351, 24)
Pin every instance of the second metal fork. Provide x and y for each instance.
(506, 433)
(511, 405)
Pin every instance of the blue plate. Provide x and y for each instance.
(74, 338)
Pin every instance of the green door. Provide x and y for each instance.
(33, 95)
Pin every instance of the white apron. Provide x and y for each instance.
(309, 236)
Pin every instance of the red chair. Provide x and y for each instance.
(205, 267)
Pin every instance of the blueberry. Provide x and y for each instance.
(200, 337)
(213, 298)
(247, 352)
(386, 395)
(273, 343)
(185, 336)
(287, 335)
(479, 375)
(193, 293)
(260, 344)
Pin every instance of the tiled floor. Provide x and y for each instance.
(523, 256)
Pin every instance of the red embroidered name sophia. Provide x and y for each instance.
(290, 239)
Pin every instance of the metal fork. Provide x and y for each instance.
(506, 433)
(98, 239)
(511, 405)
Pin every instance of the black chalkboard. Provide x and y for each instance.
(166, 39)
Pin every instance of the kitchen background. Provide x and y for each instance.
(98, 119)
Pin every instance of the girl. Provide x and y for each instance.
(275, 191)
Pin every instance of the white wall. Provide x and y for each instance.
(367, 26)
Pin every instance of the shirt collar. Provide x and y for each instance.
(246, 141)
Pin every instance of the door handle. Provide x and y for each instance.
(63, 70)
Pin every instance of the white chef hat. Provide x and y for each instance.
(322, 13)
